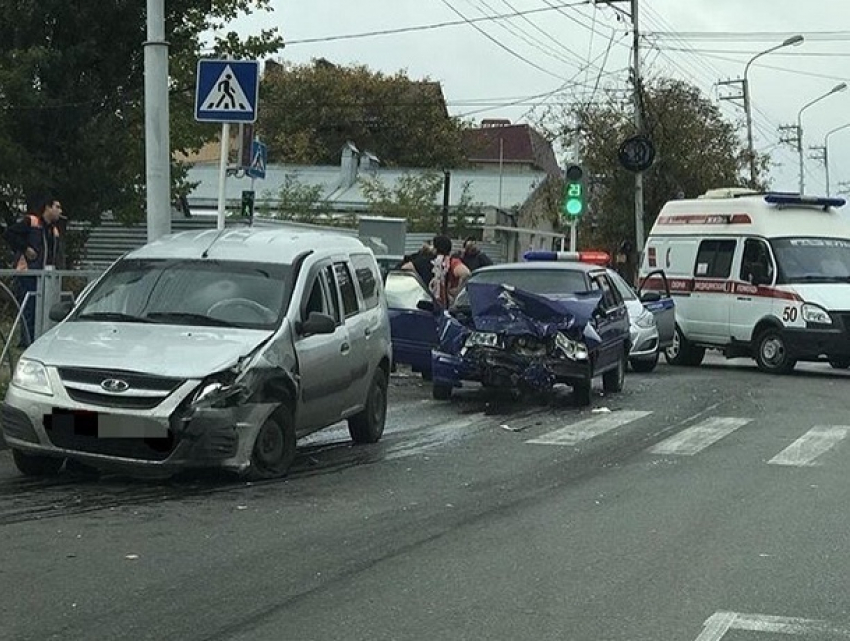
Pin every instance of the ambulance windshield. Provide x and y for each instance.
(813, 259)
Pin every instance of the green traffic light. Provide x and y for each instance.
(574, 206)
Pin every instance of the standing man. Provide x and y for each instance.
(448, 273)
(35, 241)
(473, 257)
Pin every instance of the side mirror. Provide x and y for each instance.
(60, 311)
(650, 297)
(317, 323)
(425, 305)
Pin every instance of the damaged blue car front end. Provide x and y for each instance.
(505, 337)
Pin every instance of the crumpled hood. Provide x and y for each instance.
(162, 350)
(514, 312)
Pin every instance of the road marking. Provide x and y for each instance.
(818, 440)
(695, 439)
(588, 428)
(719, 623)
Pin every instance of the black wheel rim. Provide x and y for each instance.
(379, 407)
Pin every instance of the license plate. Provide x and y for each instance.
(97, 425)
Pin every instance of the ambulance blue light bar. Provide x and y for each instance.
(778, 198)
(592, 257)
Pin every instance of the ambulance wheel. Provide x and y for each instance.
(772, 353)
(681, 352)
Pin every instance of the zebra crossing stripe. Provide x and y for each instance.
(811, 445)
(695, 439)
(589, 428)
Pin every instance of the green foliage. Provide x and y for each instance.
(72, 96)
(696, 150)
(310, 111)
(298, 202)
(412, 197)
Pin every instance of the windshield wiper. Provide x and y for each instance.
(113, 316)
(191, 317)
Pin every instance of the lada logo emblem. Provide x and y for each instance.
(115, 385)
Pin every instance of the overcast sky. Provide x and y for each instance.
(701, 40)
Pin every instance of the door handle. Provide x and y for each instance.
(345, 348)
(744, 298)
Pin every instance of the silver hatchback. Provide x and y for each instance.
(207, 349)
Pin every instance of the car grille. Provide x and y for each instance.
(143, 392)
(146, 449)
(17, 424)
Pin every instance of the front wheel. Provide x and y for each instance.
(772, 353)
(643, 366)
(36, 465)
(274, 447)
(368, 425)
(614, 380)
(582, 393)
(681, 352)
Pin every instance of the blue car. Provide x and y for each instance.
(527, 326)
(412, 322)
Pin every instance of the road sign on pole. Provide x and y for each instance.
(257, 166)
(227, 91)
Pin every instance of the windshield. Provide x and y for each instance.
(190, 292)
(812, 259)
(546, 282)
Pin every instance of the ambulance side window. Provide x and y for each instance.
(714, 258)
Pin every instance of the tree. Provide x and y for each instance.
(72, 96)
(696, 150)
(298, 202)
(310, 111)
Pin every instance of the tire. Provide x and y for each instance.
(441, 392)
(772, 353)
(36, 464)
(368, 425)
(614, 380)
(582, 393)
(427, 375)
(274, 448)
(643, 366)
(840, 363)
(682, 353)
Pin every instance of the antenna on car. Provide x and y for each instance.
(206, 252)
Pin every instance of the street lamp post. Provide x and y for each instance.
(826, 153)
(793, 40)
(836, 89)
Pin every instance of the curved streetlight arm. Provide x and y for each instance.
(790, 42)
(826, 154)
(833, 131)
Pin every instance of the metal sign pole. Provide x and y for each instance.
(222, 172)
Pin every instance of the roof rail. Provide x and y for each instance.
(728, 192)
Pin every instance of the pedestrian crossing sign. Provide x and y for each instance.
(227, 91)
(257, 166)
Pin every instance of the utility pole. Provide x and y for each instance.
(821, 154)
(447, 178)
(157, 143)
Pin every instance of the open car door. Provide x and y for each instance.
(658, 301)
(412, 323)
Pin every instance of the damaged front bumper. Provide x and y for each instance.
(178, 433)
(494, 367)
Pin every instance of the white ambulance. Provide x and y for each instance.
(759, 275)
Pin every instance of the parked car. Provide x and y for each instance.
(207, 349)
(528, 326)
(652, 320)
(412, 322)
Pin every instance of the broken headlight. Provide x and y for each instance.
(574, 350)
(218, 391)
(482, 339)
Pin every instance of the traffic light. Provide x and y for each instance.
(575, 196)
(248, 205)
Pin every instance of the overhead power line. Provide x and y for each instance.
(436, 25)
(750, 36)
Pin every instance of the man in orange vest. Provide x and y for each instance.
(35, 241)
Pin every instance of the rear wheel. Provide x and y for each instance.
(644, 365)
(614, 380)
(368, 425)
(36, 464)
(772, 353)
(274, 447)
(681, 352)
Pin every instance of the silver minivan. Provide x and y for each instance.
(207, 349)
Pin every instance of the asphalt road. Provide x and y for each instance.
(700, 504)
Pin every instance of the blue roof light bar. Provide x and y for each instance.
(779, 198)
